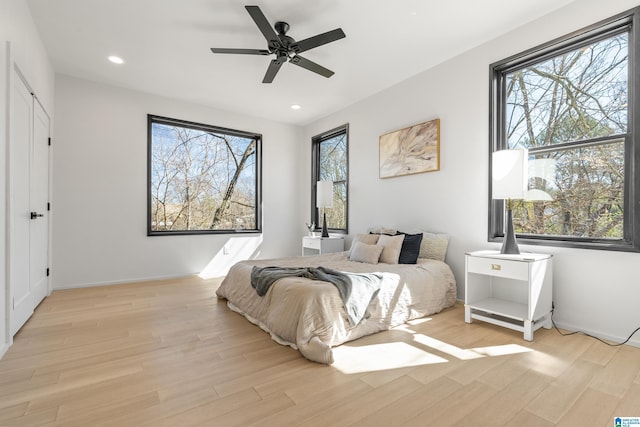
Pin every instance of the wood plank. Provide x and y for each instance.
(510, 400)
(355, 409)
(629, 405)
(593, 408)
(452, 409)
(416, 405)
(168, 352)
(563, 392)
(618, 375)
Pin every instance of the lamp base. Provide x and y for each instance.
(325, 232)
(509, 245)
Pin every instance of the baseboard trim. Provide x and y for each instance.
(613, 339)
(120, 282)
(3, 350)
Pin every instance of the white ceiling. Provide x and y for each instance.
(165, 44)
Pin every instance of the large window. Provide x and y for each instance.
(572, 104)
(202, 179)
(330, 162)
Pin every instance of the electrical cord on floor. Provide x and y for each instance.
(566, 334)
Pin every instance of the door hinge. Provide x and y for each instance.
(49, 140)
(48, 206)
(47, 271)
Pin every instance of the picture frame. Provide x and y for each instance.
(411, 150)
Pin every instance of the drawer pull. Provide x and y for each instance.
(496, 267)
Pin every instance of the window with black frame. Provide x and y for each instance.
(330, 162)
(202, 179)
(571, 104)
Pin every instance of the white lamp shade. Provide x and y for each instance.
(509, 174)
(324, 194)
(543, 168)
(535, 195)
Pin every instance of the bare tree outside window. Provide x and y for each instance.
(570, 106)
(330, 163)
(202, 179)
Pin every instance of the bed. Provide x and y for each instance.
(309, 315)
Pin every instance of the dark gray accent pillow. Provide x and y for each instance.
(410, 248)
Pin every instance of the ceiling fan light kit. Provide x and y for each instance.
(285, 48)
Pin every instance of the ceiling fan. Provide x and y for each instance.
(284, 47)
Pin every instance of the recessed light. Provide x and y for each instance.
(296, 107)
(116, 59)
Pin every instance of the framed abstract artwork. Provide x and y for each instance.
(415, 149)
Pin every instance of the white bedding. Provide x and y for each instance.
(309, 315)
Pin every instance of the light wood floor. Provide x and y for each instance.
(168, 353)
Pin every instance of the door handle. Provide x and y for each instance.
(35, 215)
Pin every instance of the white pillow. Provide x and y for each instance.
(369, 239)
(392, 246)
(361, 252)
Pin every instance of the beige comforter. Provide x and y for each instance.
(309, 315)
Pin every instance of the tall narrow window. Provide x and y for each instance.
(571, 103)
(330, 162)
(202, 179)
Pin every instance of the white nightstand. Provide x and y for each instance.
(513, 291)
(321, 245)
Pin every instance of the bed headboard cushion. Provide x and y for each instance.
(392, 245)
(363, 252)
(410, 248)
(383, 230)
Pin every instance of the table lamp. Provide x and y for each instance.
(509, 182)
(324, 200)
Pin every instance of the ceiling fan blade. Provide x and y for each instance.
(311, 66)
(241, 51)
(319, 40)
(273, 69)
(265, 27)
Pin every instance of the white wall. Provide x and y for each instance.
(595, 291)
(100, 190)
(20, 46)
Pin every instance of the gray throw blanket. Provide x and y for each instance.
(357, 290)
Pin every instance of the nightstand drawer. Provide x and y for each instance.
(312, 243)
(498, 267)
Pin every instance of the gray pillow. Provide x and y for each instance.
(361, 252)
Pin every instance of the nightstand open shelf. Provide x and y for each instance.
(503, 308)
(513, 291)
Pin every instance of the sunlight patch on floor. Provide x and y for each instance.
(419, 321)
(501, 350)
(353, 358)
(380, 357)
(457, 352)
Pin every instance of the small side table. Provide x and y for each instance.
(513, 291)
(321, 245)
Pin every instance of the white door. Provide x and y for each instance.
(21, 127)
(28, 197)
(39, 196)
